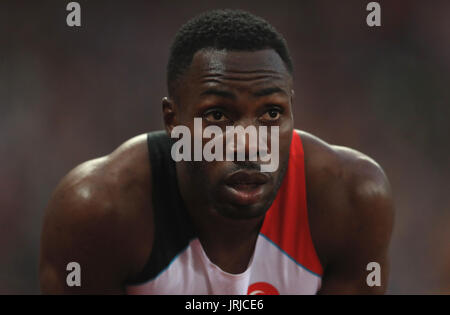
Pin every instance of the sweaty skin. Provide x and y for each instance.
(100, 214)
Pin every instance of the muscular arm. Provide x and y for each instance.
(95, 218)
(350, 213)
(80, 226)
(363, 229)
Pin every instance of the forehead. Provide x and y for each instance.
(232, 67)
(222, 60)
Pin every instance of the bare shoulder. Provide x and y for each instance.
(361, 174)
(100, 215)
(349, 198)
(109, 183)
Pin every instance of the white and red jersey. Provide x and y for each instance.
(284, 260)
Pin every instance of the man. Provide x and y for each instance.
(138, 222)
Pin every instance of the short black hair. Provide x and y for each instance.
(233, 30)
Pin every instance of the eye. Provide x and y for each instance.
(271, 115)
(215, 116)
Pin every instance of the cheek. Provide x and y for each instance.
(214, 171)
(287, 126)
(285, 144)
(205, 174)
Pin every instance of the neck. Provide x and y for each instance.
(219, 231)
(228, 243)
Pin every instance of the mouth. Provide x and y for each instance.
(244, 187)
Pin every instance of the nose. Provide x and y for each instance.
(242, 142)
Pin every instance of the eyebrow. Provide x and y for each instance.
(232, 96)
(220, 93)
(269, 91)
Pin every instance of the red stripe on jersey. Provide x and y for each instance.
(286, 222)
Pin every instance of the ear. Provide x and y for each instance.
(292, 102)
(169, 114)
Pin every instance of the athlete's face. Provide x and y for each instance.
(231, 88)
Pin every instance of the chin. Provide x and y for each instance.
(243, 212)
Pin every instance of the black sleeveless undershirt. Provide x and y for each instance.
(172, 226)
